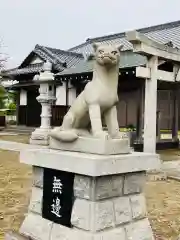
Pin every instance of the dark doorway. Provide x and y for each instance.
(33, 108)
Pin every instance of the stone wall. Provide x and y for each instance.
(111, 207)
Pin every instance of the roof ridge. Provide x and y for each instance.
(6, 70)
(122, 34)
(51, 54)
(66, 51)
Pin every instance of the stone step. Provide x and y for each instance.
(15, 133)
(21, 130)
(19, 127)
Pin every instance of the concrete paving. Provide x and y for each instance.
(172, 169)
(8, 134)
(15, 146)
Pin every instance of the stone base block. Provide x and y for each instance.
(108, 199)
(90, 164)
(37, 228)
(93, 145)
(111, 213)
(42, 142)
(40, 137)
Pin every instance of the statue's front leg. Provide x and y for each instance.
(96, 122)
(112, 122)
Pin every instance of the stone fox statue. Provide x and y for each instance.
(98, 100)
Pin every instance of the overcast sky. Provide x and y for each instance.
(65, 23)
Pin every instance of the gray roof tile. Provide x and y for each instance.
(34, 68)
(59, 58)
(65, 61)
(70, 58)
(128, 59)
(161, 33)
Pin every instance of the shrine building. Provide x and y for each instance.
(148, 81)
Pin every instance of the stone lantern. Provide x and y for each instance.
(46, 99)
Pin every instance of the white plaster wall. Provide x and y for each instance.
(72, 95)
(23, 97)
(61, 95)
(36, 60)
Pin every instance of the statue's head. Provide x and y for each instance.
(107, 55)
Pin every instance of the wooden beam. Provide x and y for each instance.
(147, 46)
(144, 72)
(175, 115)
(165, 76)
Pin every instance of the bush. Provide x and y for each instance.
(2, 113)
(130, 127)
(12, 106)
(11, 112)
(12, 122)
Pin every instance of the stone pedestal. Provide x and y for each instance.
(93, 145)
(109, 202)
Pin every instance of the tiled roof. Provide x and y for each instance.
(128, 60)
(65, 61)
(69, 58)
(34, 68)
(59, 58)
(163, 33)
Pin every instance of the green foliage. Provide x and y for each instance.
(12, 96)
(3, 95)
(7, 99)
(2, 113)
(12, 122)
(130, 127)
(11, 112)
(12, 106)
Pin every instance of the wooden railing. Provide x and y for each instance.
(58, 113)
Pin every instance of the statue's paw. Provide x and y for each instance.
(64, 136)
(102, 135)
(54, 130)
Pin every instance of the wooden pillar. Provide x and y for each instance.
(175, 116)
(140, 114)
(17, 107)
(150, 107)
(158, 126)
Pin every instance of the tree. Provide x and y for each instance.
(3, 57)
(3, 92)
(3, 96)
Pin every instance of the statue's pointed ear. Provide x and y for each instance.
(119, 47)
(95, 46)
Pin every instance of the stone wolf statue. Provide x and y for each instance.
(98, 100)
